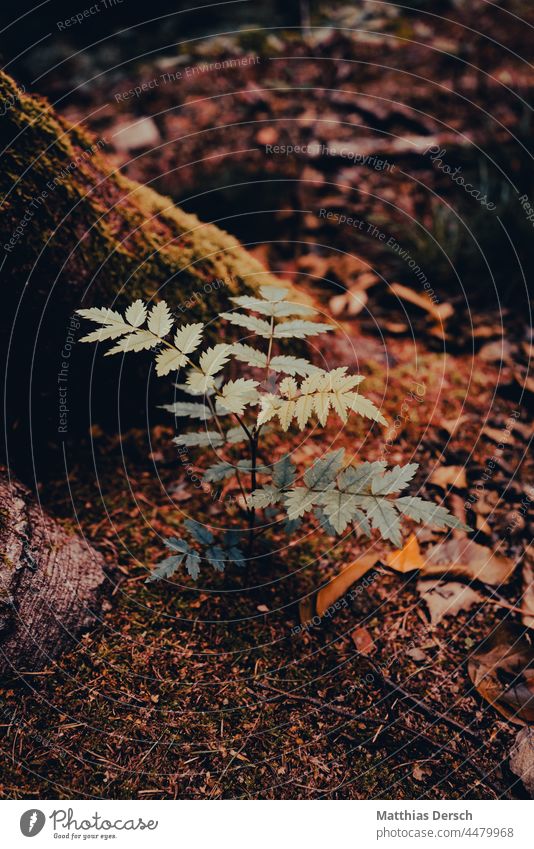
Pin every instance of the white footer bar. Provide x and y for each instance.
(268, 825)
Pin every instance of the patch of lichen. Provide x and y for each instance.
(92, 225)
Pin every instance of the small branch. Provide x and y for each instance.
(429, 711)
(350, 715)
(252, 514)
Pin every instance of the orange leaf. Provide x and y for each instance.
(408, 558)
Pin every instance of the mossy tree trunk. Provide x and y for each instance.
(76, 232)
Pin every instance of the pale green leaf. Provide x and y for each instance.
(192, 564)
(175, 544)
(160, 320)
(235, 435)
(394, 480)
(299, 329)
(291, 365)
(188, 408)
(288, 387)
(205, 437)
(109, 331)
(219, 471)
(136, 313)
(264, 497)
(237, 394)
(165, 568)
(364, 407)
(304, 410)
(357, 479)
(200, 532)
(217, 557)
(269, 406)
(339, 507)
(188, 337)
(214, 359)
(383, 517)
(198, 384)
(299, 500)
(428, 512)
(169, 360)
(248, 354)
(249, 322)
(273, 293)
(102, 315)
(284, 472)
(272, 308)
(324, 470)
(140, 340)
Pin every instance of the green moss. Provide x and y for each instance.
(121, 238)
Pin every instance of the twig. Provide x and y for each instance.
(345, 712)
(348, 714)
(429, 711)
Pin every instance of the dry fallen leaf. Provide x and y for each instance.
(408, 558)
(339, 585)
(439, 312)
(452, 425)
(485, 332)
(462, 556)
(502, 670)
(496, 352)
(496, 435)
(522, 758)
(317, 603)
(395, 326)
(417, 654)
(421, 772)
(365, 281)
(445, 476)
(267, 135)
(525, 382)
(482, 525)
(526, 429)
(527, 602)
(363, 640)
(350, 303)
(446, 599)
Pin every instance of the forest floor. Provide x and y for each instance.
(215, 689)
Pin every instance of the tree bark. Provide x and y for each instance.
(74, 232)
(51, 583)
